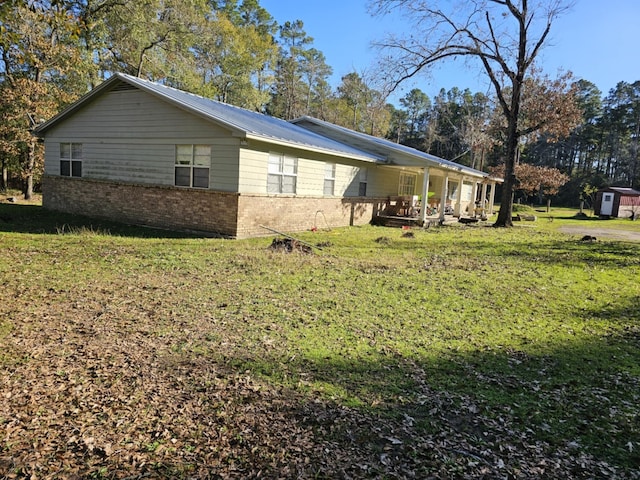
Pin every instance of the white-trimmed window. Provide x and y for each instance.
(363, 176)
(71, 159)
(329, 178)
(282, 173)
(192, 165)
(454, 190)
(407, 185)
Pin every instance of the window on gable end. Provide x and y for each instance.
(71, 159)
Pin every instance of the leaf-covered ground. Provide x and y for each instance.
(450, 354)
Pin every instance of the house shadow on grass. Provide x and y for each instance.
(106, 397)
(568, 413)
(35, 219)
(561, 412)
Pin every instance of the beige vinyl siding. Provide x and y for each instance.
(253, 171)
(347, 180)
(310, 177)
(132, 162)
(254, 165)
(382, 181)
(224, 165)
(51, 157)
(130, 136)
(134, 114)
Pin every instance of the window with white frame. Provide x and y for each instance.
(407, 185)
(363, 176)
(329, 178)
(71, 159)
(454, 190)
(192, 166)
(282, 173)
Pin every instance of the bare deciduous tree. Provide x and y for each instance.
(505, 36)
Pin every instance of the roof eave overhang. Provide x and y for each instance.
(311, 148)
(434, 163)
(425, 160)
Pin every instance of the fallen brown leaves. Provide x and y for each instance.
(89, 400)
(104, 396)
(108, 380)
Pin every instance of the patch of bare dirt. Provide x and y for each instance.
(290, 245)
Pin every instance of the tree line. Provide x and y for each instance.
(52, 52)
(600, 150)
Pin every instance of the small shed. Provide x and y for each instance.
(617, 202)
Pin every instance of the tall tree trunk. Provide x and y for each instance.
(4, 174)
(506, 202)
(505, 215)
(29, 170)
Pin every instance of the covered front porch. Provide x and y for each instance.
(431, 195)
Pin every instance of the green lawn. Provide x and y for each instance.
(558, 217)
(452, 352)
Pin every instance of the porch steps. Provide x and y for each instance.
(397, 222)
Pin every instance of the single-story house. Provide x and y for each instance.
(143, 153)
(617, 202)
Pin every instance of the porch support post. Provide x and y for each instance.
(425, 194)
(492, 198)
(483, 199)
(474, 195)
(443, 196)
(457, 209)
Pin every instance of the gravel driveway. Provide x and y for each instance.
(627, 235)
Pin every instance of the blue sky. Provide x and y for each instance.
(597, 40)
